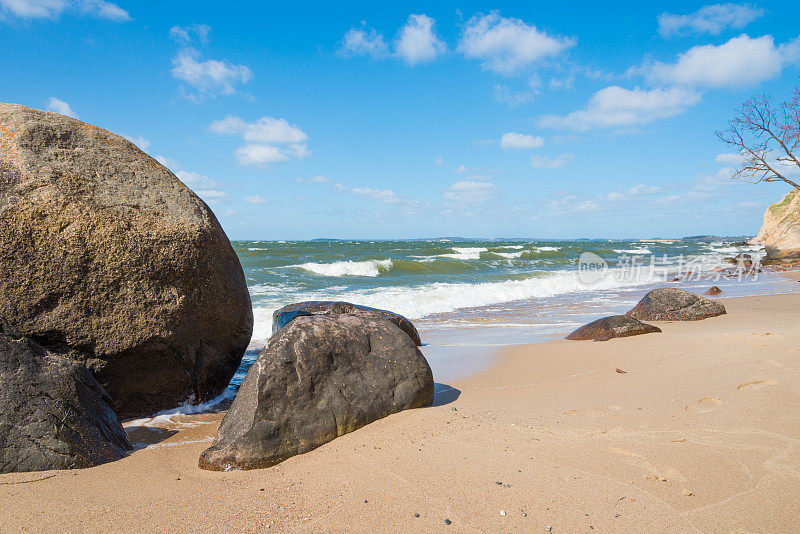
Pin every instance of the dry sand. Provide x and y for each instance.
(701, 433)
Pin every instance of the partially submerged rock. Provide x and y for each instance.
(611, 327)
(672, 304)
(713, 290)
(283, 316)
(106, 257)
(53, 413)
(780, 233)
(318, 378)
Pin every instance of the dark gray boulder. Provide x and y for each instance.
(611, 327)
(53, 413)
(671, 304)
(283, 316)
(107, 258)
(318, 378)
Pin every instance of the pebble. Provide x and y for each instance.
(447, 522)
(524, 514)
(416, 515)
(503, 513)
(365, 500)
(548, 528)
(454, 409)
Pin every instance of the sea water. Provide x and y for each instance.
(468, 297)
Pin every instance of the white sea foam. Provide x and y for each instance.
(465, 253)
(441, 297)
(546, 249)
(347, 268)
(721, 249)
(518, 247)
(634, 251)
(509, 255)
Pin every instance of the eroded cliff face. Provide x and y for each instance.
(780, 233)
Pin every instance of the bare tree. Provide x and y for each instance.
(767, 136)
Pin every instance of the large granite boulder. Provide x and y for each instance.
(53, 413)
(671, 304)
(611, 327)
(780, 233)
(106, 257)
(283, 316)
(318, 378)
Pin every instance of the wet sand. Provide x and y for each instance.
(700, 433)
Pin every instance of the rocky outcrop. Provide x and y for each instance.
(611, 327)
(671, 304)
(106, 257)
(318, 378)
(713, 290)
(780, 233)
(53, 413)
(283, 316)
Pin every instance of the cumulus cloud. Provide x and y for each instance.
(208, 76)
(615, 106)
(59, 106)
(53, 8)
(741, 61)
(267, 140)
(507, 45)
(185, 34)
(545, 162)
(470, 192)
(513, 140)
(711, 19)
(363, 42)
(417, 42)
(730, 158)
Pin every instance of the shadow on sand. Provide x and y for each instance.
(444, 394)
(142, 436)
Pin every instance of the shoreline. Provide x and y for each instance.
(701, 433)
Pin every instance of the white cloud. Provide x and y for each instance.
(417, 42)
(462, 169)
(256, 199)
(140, 141)
(505, 95)
(386, 196)
(212, 197)
(194, 180)
(520, 141)
(53, 8)
(59, 106)
(711, 19)
(741, 61)
(507, 45)
(364, 42)
(544, 162)
(185, 34)
(729, 159)
(264, 130)
(104, 9)
(267, 140)
(615, 107)
(313, 180)
(643, 189)
(470, 192)
(439, 161)
(210, 76)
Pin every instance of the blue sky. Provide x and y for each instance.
(529, 119)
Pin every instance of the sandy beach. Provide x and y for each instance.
(700, 433)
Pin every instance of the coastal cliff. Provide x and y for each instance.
(780, 233)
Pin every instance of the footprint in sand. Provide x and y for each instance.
(757, 384)
(706, 404)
